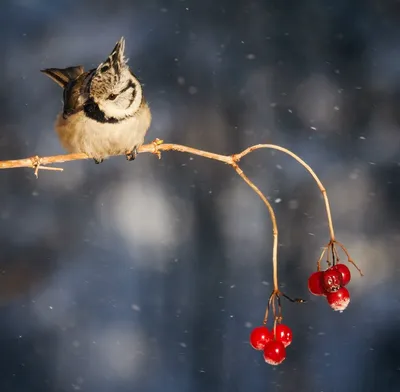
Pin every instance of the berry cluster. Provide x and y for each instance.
(272, 343)
(330, 283)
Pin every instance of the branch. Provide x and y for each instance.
(157, 146)
(40, 163)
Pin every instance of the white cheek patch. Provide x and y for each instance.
(125, 99)
(125, 105)
(113, 109)
(130, 99)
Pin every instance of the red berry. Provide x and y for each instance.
(284, 334)
(259, 337)
(339, 300)
(274, 352)
(332, 280)
(315, 283)
(345, 272)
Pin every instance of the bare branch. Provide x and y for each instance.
(157, 146)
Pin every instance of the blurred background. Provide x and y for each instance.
(149, 276)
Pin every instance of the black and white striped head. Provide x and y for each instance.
(113, 88)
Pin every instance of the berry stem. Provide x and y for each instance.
(333, 255)
(320, 258)
(279, 307)
(271, 298)
(328, 255)
(273, 219)
(298, 300)
(336, 254)
(275, 321)
(276, 296)
(350, 260)
(274, 309)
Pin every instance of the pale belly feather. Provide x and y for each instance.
(79, 133)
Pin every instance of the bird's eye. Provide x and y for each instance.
(111, 97)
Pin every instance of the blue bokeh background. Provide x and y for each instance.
(148, 276)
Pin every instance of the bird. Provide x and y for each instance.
(104, 110)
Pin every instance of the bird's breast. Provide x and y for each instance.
(79, 133)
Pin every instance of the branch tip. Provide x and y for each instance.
(36, 163)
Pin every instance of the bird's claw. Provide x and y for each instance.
(131, 155)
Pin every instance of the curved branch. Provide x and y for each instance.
(321, 187)
(157, 145)
(40, 163)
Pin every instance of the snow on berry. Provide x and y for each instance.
(284, 334)
(274, 352)
(259, 337)
(339, 300)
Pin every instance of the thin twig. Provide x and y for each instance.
(349, 259)
(321, 187)
(336, 254)
(271, 298)
(155, 147)
(320, 258)
(273, 219)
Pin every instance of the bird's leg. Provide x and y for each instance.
(131, 155)
(97, 161)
